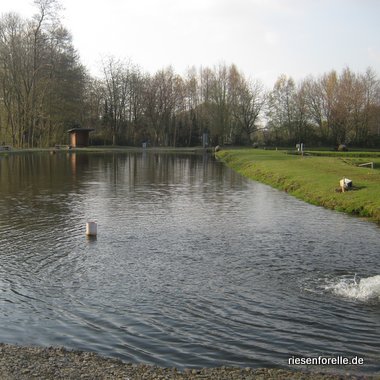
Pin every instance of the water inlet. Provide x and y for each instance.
(91, 228)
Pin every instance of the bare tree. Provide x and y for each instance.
(117, 92)
(34, 56)
(161, 101)
(371, 112)
(282, 108)
(248, 105)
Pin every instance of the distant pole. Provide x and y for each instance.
(205, 140)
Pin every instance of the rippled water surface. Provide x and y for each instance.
(193, 265)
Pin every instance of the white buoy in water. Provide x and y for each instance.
(91, 228)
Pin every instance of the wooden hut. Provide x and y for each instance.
(79, 137)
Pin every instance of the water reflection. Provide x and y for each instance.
(193, 265)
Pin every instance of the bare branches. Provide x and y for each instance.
(332, 109)
(40, 78)
(44, 89)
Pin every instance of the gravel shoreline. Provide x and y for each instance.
(27, 363)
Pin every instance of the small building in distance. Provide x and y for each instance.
(79, 137)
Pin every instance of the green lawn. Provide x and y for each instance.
(315, 179)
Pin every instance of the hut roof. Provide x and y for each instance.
(72, 130)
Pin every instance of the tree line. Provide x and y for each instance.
(45, 90)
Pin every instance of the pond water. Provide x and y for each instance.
(193, 265)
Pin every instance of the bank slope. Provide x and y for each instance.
(312, 179)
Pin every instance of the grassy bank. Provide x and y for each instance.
(314, 179)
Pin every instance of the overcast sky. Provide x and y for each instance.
(264, 38)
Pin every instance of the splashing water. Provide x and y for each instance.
(365, 289)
